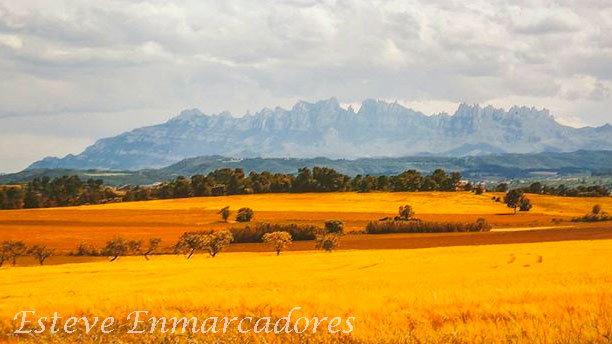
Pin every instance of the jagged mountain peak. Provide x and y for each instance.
(324, 128)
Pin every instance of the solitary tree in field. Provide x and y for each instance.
(278, 240)
(41, 253)
(334, 226)
(217, 241)
(244, 215)
(153, 245)
(225, 213)
(13, 249)
(327, 242)
(515, 199)
(190, 242)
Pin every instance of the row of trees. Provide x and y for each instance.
(319, 179)
(561, 190)
(13, 249)
(57, 192)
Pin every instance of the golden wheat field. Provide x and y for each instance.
(522, 293)
(64, 228)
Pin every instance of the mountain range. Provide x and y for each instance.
(326, 129)
(477, 168)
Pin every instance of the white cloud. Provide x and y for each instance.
(98, 59)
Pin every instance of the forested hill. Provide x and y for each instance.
(503, 166)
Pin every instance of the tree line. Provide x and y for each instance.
(561, 190)
(70, 190)
(44, 192)
(318, 179)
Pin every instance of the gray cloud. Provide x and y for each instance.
(119, 64)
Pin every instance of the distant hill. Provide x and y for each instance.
(502, 166)
(324, 128)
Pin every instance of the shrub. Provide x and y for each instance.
(327, 242)
(384, 227)
(244, 215)
(334, 226)
(278, 240)
(255, 233)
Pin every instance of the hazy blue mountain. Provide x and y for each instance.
(324, 128)
(486, 167)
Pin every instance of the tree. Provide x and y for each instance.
(225, 213)
(502, 187)
(118, 247)
(525, 204)
(479, 189)
(217, 241)
(334, 226)
(515, 199)
(278, 240)
(190, 242)
(596, 209)
(405, 212)
(244, 215)
(13, 249)
(4, 255)
(327, 242)
(41, 253)
(153, 245)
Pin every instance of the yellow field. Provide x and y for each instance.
(64, 228)
(541, 293)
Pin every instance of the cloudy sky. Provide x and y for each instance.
(75, 71)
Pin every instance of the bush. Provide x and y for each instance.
(334, 226)
(244, 215)
(385, 227)
(255, 233)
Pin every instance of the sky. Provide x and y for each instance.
(75, 71)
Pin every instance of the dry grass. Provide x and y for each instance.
(540, 293)
(64, 228)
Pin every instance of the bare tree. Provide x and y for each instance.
(41, 253)
(278, 240)
(153, 245)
